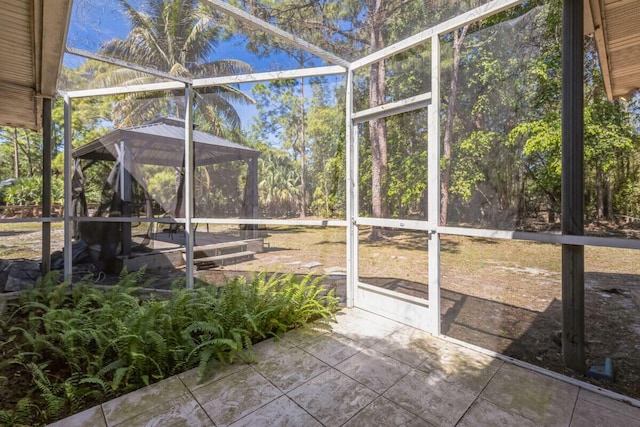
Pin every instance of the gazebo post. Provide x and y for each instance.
(573, 184)
(125, 197)
(250, 203)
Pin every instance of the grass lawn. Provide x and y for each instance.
(504, 295)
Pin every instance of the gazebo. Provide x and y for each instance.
(160, 143)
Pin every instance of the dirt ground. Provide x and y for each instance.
(501, 295)
(498, 294)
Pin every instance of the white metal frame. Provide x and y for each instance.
(424, 314)
(416, 312)
(67, 251)
(351, 130)
(124, 64)
(188, 179)
(259, 24)
(433, 189)
(393, 108)
(431, 101)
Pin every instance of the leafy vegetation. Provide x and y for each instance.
(178, 37)
(28, 191)
(500, 86)
(68, 347)
(500, 93)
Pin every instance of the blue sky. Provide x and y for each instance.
(95, 22)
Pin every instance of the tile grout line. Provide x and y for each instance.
(304, 383)
(575, 406)
(370, 347)
(401, 361)
(334, 367)
(361, 410)
(104, 416)
(380, 395)
(190, 392)
(402, 407)
(605, 407)
(262, 406)
(286, 394)
(305, 411)
(480, 393)
(546, 372)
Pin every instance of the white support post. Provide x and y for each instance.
(433, 215)
(188, 182)
(352, 196)
(68, 244)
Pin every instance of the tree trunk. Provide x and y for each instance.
(609, 212)
(178, 212)
(28, 154)
(325, 180)
(16, 163)
(377, 128)
(458, 41)
(599, 193)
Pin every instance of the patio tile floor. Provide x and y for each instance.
(366, 371)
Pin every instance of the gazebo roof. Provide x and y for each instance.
(161, 142)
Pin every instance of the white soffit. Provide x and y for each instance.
(616, 27)
(32, 43)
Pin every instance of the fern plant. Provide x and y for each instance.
(22, 413)
(81, 345)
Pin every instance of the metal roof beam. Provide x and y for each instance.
(211, 81)
(125, 64)
(270, 76)
(473, 15)
(120, 90)
(273, 30)
(386, 110)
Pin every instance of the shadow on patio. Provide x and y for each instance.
(367, 370)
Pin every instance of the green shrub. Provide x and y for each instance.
(28, 191)
(80, 345)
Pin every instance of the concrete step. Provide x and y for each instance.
(215, 246)
(223, 259)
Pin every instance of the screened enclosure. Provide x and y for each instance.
(415, 162)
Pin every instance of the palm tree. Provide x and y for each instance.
(279, 187)
(177, 37)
